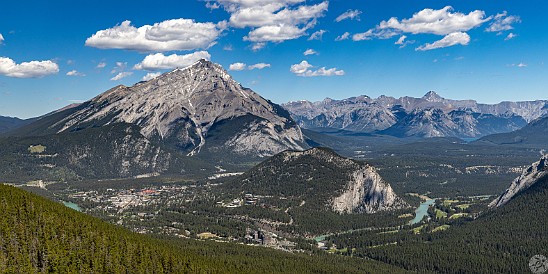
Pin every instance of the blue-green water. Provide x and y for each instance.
(422, 211)
(469, 140)
(72, 205)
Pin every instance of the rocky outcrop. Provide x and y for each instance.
(528, 178)
(367, 192)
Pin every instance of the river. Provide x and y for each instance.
(72, 205)
(422, 211)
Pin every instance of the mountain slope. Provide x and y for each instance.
(530, 176)
(180, 107)
(38, 235)
(10, 123)
(112, 151)
(322, 181)
(534, 134)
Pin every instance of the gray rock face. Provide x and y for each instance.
(182, 105)
(367, 192)
(429, 116)
(523, 182)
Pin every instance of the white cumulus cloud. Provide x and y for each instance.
(343, 36)
(317, 35)
(349, 14)
(75, 73)
(258, 46)
(363, 36)
(444, 22)
(150, 76)
(441, 22)
(212, 6)
(273, 21)
(101, 65)
(452, 39)
(169, 35)
(237, 66)
(275, 14)
(303, 69)
(401, 40)
(503, 22)
(310, 52)
(258, 66)
(32, 69)
(160, 61)
(510, 36)
(274, 34)
(121, 75)
(241, 66)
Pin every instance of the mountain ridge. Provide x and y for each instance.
(409, 116)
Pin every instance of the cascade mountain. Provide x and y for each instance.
(429, 116)
(164, 125)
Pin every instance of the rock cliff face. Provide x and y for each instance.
(428, 116)
(181, 106)
(528, 178)
(367, 192)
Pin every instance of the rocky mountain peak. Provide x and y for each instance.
(327, 100)
(528, 178)
(208, 67)
(432, 96)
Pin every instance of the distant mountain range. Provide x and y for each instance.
(429, 116)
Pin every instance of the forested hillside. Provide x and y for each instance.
(38, 235)
(501, 241)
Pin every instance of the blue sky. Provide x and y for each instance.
(53, 53)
